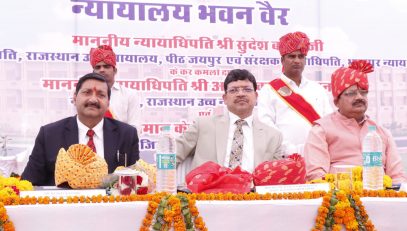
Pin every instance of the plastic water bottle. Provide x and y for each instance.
(166, 180)
(372, 148)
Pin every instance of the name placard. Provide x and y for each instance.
(292, 188)
(63, 193)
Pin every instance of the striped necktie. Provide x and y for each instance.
(237, 145)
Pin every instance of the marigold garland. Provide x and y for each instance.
(184, 204)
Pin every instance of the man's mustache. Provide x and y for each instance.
(97, 105)
(359, 101)
(243, 98)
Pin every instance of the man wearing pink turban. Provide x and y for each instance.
(336, 139)
(292, 103)
(124, 105)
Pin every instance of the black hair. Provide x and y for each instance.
(92, 76)
(239, 74)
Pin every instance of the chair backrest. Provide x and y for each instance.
(182, 170)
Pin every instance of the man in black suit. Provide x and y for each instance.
(117, 142)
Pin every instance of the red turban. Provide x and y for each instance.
(102, 53)
(292, 42)
(356, 73)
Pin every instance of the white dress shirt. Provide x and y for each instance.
(274, 111)
(97, 138)
(125, 105)
(248, 148)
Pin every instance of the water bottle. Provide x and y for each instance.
(166, 180)
(372, 148)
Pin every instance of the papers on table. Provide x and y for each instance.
(292, 188)
(57, 192)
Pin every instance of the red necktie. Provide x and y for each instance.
(91, 144)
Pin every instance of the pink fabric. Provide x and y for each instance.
(102, 53)
(356, 73)
(292, 42)
(336, 140)
(210, 177)
(285, 171)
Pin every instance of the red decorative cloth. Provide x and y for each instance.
(356, 73)
(213, 178)
(102, 53)
(286, 171)
(292, 42)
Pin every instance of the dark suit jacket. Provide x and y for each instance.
(118, 137)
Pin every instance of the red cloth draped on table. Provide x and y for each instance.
(213, 178)
(286, 171)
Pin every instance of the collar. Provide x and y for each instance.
(98, 128)
(342, 117)
(233, 118)
(304, 81)
(116, 85)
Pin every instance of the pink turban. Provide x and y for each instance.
(102, 53)
(356, 73)
(292, 42)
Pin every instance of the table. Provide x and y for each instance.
(386, 214)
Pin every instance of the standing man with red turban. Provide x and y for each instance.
(336, 138)
(292, 103)
(124, 106)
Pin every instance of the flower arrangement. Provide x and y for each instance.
(10, 188)
(355, 183)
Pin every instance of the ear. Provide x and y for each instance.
(224, 97)
(336, 102)
(115, 70)
(74, 99)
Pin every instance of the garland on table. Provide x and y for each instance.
(173, 210)
(341, 209)
(5, 223)
(181, 210)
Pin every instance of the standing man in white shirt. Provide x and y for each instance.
(292, 103)
(124, 105)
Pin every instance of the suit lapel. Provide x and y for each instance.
(110, 141)
(221, 137)
(71, 133)
(259, 141)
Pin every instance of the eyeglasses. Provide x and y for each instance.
(354, 93)
(236, 90)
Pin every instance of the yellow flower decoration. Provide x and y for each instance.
(387, 181)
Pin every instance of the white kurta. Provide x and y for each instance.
(125, 105)
(274, 111)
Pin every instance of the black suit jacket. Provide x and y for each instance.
(117, 137)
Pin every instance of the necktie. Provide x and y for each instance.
(237, 145)
(91, 144)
